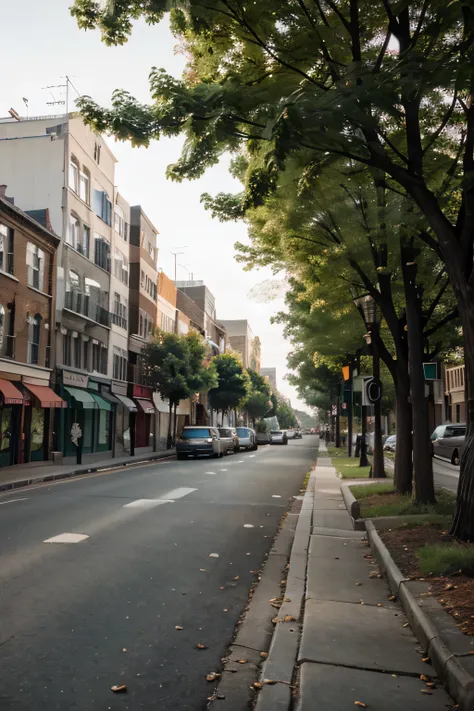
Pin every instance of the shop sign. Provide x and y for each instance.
(119, 388)
(143, 392)
(75, 379)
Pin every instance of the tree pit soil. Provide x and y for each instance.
(455, 592)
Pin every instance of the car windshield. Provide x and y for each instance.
(276, 432)
(243, 432)
(195, 433)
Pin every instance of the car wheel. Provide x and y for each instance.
(181, 456)
(216, 455)
(455, 459)
(236, 450)
(221, 454)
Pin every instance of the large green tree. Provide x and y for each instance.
(233, 383)
(257, 403)
(386, 84)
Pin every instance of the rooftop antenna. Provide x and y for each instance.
(56, 102)
(25, 101)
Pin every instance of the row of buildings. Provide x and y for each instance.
(80, 294)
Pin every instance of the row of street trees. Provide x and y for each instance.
(180, 366)
(358, 116)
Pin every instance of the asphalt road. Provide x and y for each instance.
(445, 474)
(78, 618)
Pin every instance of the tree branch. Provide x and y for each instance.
(442, 125)
(447, 319)
(436, 300)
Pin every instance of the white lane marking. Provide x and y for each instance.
(12, 501)
(210, 473)
(248, 525)
(67, 538)
(241, 461)
(251, 455)
(178, 493)
(222, 470)
(213, 555)
(147, 503)
(276, 496)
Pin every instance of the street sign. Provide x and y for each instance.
(374, 390)
(431, 371)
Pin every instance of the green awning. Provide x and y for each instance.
(101, 402)
(82, 399)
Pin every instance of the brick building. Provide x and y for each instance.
(27, 280)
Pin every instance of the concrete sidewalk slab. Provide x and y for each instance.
(327, 688)
(336, 533)
(333, 519)
(344, 549)
(330, 579)
(359, 636)
(335, 503)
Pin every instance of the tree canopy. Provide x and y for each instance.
(233, 383)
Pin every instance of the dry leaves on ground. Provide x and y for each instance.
(119, 688)
(178, 627)
(212, 676)
(361, 704)
(201, 646)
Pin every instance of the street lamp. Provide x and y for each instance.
(367, 307)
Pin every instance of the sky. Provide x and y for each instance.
(51, 47)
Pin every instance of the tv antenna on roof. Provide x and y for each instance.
(65, 87)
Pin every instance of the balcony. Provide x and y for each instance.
(84, 305)
(119, 320)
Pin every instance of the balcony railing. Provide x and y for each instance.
(119, 320)
(83, 304)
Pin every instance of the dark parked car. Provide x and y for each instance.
(247, 438)
(199, 440)
(447, 441)
(229, 439)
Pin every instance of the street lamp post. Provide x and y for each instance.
(371, 315)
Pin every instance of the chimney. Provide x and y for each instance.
(3, 190)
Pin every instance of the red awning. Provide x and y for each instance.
(11, 394)
(145, 406)
(47, 398)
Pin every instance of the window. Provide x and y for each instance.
(145, 325)
(458, 412)
(35, 264)
(85, 354)
(7, 318)
(119, 223)
(34, 325)
(77, 352)
(121, 266)
(86, 239)
(95, 355)
(142, 279)
(84, 186)
(102, 206)
(102, 252)
(167, 323)
(6, 249)
(119, 370)
(97, 152)
(67, 348)
(120, 312)
(74, 228)
(74, 175)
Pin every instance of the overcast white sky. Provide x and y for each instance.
(41, 43)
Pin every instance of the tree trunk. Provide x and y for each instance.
(175, 423)
(403, 476)
(378, 468)
(422, 457)
(169, 439)
(338, 422)
(463, 522)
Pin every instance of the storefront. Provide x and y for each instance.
(145, 417)
(125, 416)
(93, 410)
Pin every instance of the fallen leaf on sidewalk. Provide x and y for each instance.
(236, 577)
(357, 584)
(425, 659)
(423, 677)
(225, 609)
(119, 689)
(431, 684)
(391, 598)
(212, 698)
(212, 676)
(257, 685)
(277, 605)
(241, 661)
(264, 655)
(361, 704)
(178, 627)
(289, 618)
(368, 556)
(426, 691)
(277, 619)
(379, 604)
(202, 570)
(201, 646)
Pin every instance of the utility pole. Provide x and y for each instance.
(175, 255)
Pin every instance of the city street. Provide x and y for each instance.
(171, 544)
(445, 474)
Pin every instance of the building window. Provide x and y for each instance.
(84, 186)
(77, 352)
(34, 330)
(119, 369)
(102, 206)
(74, 175)
(85, 242)
(67, 348)
(121, 266)
(167, 323)
(35, 264)
(142, 279)
(102, 252)
(6, 249)
(85, 353)
(97, 152)
(7, 317)
(120, 312)
(458, 412)
(74, 230)
(145, 324)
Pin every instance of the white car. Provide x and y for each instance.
(247, 438)
(278, 437)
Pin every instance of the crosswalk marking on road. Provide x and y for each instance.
(178, 493)
(147, 503)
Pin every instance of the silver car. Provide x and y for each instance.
(229, 439)
(199, 440)
(247, 438)
(447, 441)
(278, 437)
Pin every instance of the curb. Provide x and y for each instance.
(455, 670)
(100, 466)
(280, 664)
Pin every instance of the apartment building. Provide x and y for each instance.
(270, 374)
(27, 270)
(242, 341)
(455, 391)
(205, 315)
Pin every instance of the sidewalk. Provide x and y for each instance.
(356, 644)
(36, 472)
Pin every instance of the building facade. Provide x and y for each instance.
(242, 341)
(271, 375)
(27, 301)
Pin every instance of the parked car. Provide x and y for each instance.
(390, 444)
(278, 437)
(291, 434)
(199, 440)
(247, 438)
(229, 439)
(447, 441)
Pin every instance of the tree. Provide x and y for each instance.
(233, 384)
(257, 403)
(285, 414)
(279, 77)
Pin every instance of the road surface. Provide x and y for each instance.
(445, 474)
(171, 544)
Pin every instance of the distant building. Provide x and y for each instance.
(192, 294)
(271, 374)
(242, 341)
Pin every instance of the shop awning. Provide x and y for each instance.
(45, 396)
(127, 402)
(11, 394)
(102, 403)
(82, 399)
(110, 398)
(145, 406)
